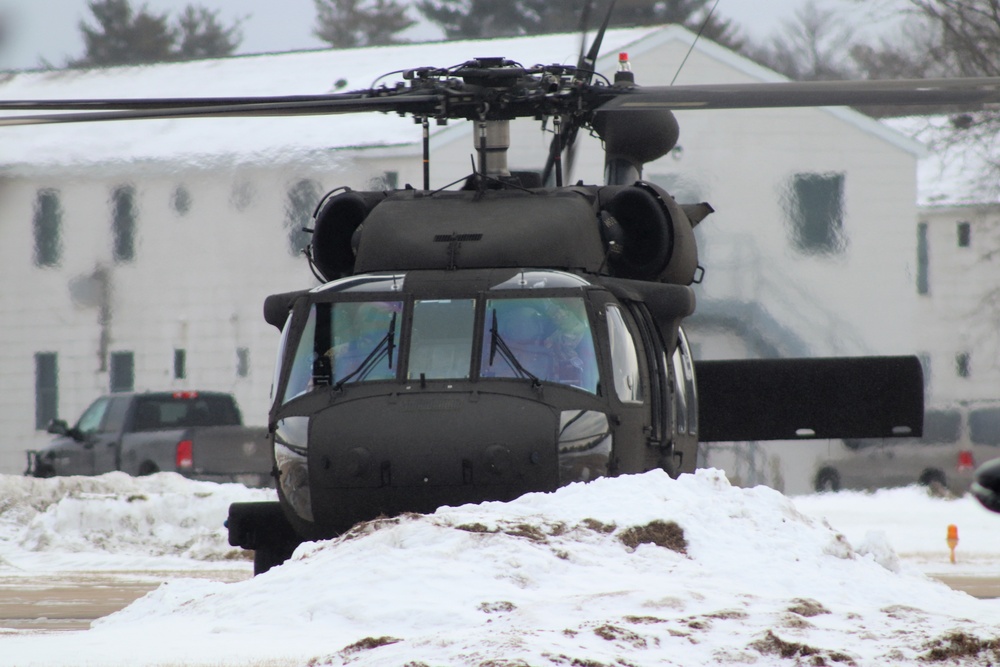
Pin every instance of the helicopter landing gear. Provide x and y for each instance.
(267, 556)
(262, 528)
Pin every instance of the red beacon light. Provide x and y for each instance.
(624, 74)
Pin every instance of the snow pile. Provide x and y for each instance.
(635, 570)
(106, 522)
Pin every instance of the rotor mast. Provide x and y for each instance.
(492, 139)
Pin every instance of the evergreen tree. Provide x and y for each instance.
(123, 36)
(469, 19)
(202, 36)
(351, 23)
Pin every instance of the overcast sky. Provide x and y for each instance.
(47, 30)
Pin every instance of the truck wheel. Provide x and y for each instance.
(827, 479)
(148, 468)
(934, 480)
(43, 470)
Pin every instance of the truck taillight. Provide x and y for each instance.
(966, 460)
(185, 395)
(185, 455)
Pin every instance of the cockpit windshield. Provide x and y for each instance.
(546, 339)
(541, 339)
(344, 342)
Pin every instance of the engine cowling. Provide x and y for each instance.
(649, 235)
(337, 220)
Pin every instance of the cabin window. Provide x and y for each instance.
(48, 228)
(815, 208)
(441, 339)
(180, 364)
(123, 223)
(180, 200)
(242, 362)
(302, 200)
(964, 230)
(242, 195)
(122, 371)
(46, 388)
(545, 338)
(923, 260)
(351, 341)
(963, 365)
(624, 359)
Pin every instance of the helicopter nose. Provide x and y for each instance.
(418, 452)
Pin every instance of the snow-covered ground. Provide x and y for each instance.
(639, 570)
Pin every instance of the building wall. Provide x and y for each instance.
(196, 283)
(959, 314)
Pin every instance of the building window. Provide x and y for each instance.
(242, 362)
(923, 260)
(964, 234)
(122, 371)
(302, 200)
(180, 200)
(242, 195)
(180, 364)
(46, 388)
(962, 365)
(48, 228)
(815, 209)
(123, 223)
(389, 180)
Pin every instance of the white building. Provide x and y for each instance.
(138, 254)
(958, 235)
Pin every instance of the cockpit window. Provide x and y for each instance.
(441, 339)
(351, 341)
(624, 359)
(541, 279)
(544, 339)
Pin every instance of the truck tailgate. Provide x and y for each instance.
(239, 452)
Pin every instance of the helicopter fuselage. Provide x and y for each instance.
(402, 392)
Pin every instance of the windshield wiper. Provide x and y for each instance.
(382, 349)
(498, 344)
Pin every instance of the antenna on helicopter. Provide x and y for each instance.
(566, 129)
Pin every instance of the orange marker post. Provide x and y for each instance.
(952, 540)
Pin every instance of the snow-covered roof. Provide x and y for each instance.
(953, 172)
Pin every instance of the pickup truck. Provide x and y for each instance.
(195, 433)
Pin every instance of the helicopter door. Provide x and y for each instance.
(631, 417)
(656, 365)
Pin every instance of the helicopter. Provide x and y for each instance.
(517, 333)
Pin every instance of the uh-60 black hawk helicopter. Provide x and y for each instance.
(509, 336)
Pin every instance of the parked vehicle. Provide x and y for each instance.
(956, 438)
(986, 487)
(197, 434)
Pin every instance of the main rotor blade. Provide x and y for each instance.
(900, 92)
(164, 103)
(150, 109)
